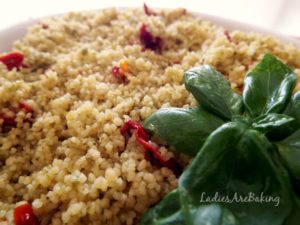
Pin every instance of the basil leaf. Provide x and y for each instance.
(289, 150)
(175, 219)
(166, 212)
(234, 161)
(185, 129)
(271, 121)
(268, 87)
(212, 214)
(294, 217)
(293, 108)
(213, 91)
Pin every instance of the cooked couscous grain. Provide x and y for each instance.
(67, 157)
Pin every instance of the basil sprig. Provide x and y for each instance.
(243, 146)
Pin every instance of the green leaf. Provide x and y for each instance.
(213, 91)
(235, 162)
(293, 108)
(185, 129)
(268, 87)
(272, 121)
(212, 214)
(294, 217)
(289, 150)
(167, 212)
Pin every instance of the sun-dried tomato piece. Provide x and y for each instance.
(13, 60)
(117, 73)
(152, 151)
(227, 35)
(115, 70)
(8, 119)
(148, 11)
(23, 215)
(240, 88)
(25, 107)
(229, 38)
(129, 127)
(148, 40)
(45, 26)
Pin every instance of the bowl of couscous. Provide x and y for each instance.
(72, 82)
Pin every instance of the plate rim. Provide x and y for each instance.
(9, 34)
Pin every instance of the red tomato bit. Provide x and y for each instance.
(148, 40)
(240, 89)
(9, 119)
(229, 38)
(226, 33)
(148, 11)
(25, 107)
(116, 72)
(13, 60)
(45, 26)
(152, 151)
(23, 215)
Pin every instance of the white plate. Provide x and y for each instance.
(17, 31)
